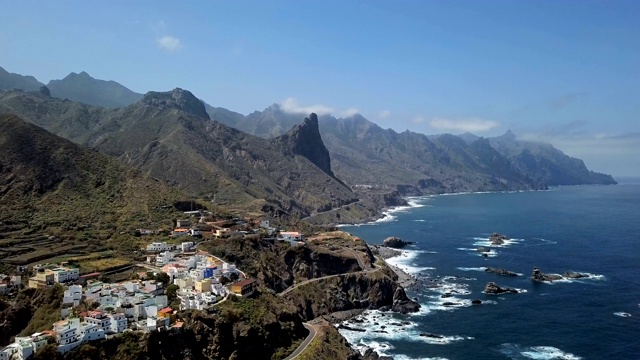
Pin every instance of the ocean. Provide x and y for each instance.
(587, 229)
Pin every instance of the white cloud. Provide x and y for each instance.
(384, 114)
(290, 105)
(348, 112)
(464, 125)
(418, 119)
(169, 43)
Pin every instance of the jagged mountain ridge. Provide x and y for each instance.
(357, 147)
(545, 163)
(10, 81)
(166, 136)
(365, 154)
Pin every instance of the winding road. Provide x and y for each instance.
(305, 343)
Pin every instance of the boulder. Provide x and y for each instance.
(493, 288)
(476, 302)
(394, 242)
(502, 272)
(483, 249)
(537, 275)
(497, 239)
(430, 335)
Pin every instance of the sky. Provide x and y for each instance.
(564, 72)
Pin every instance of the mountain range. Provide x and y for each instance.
(272, 160)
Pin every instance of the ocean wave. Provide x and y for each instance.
(518, 352)
(406, 261)
(405, 357)
(486, 242)
(622, 314)
(490, 253)
(376, 330)
(472, 268)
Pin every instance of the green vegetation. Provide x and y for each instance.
(60, 198)
(328, 344)
(31, 310)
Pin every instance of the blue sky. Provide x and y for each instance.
(566, 72)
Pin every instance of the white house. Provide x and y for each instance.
(73, 295)
(290, 236)
(164, 258)
(118, 323)
(186, 246)
(64, 274)
(159, 246)
(24, 347)
(99, 319)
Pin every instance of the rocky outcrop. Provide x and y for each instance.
(178, 99)
(574, 275)
(497, 239)
(305, 140)
(396, 243)
(493, 288)
(228, 332)
(502, 272)
(402, 304)
(537, 275)
(483, 249)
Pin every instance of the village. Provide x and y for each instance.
(176, 276)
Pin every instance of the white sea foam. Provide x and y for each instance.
(515, 351)
(472, 268)
(474, 251)
(420, 220)
(405, 357)
(381, 329)
(622, 314)
(592, 277)
(406, 262)
(486, 242)
(520, 291)
(413, 202)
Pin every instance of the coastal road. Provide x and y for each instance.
(305, 343)
(360, 263)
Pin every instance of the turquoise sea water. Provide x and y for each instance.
(589, 229)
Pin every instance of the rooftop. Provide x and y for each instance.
(243, 282)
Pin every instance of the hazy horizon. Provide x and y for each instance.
(559, 72)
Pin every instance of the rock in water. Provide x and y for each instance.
(574, 275)
(537, 275)
(497, 239)
(493, 288)
(394, 242)
(502, 272)
(483, 249)
(402, 304)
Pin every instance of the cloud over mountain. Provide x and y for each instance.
(290, 105)
(463, 125)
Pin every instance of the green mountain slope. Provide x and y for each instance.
(167, 136)
(50, 186)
